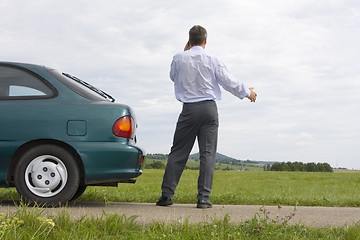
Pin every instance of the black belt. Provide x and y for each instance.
(200, 102)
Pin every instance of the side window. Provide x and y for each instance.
(16, 83)
(19, 91)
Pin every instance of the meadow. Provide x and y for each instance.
(241, 187)
(29, 223)
(237, 187)
(230, 187)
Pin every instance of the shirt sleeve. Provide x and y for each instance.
(173, 70)
(229, 82)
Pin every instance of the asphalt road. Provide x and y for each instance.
(148, 212)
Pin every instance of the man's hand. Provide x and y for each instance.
(187, 46)
(253, 95)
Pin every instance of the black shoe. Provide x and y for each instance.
(204, 204)
(164, 201)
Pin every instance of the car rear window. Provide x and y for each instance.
(18, 83)
(81, 87)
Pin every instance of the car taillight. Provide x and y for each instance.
(124, 127)
(141, 159)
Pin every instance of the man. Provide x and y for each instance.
(197, 76)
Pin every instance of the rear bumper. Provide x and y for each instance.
(109, 162)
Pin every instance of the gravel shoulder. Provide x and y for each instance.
(148, 212)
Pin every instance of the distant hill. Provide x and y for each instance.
(219, 156)
(223, 162)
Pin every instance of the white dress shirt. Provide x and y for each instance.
(197, 76)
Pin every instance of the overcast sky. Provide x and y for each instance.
(301, 56)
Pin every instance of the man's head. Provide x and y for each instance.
(197, 35)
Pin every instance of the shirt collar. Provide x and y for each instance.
(197, 48)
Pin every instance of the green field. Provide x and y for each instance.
(230, 187)
(237, 187)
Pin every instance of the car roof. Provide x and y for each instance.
(58, 81)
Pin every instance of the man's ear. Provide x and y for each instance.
(205, 41)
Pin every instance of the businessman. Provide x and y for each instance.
(197, 78)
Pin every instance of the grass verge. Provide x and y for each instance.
(30, 223)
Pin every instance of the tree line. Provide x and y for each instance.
(299, 167)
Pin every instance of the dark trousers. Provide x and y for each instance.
(197, 120)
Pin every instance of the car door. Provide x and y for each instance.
(21, 93)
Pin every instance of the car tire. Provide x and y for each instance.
(47, 175)
(79, 192)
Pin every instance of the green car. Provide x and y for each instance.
(59, 134)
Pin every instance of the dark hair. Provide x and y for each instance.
(197, 35)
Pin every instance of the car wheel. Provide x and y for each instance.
(79, 192)
(47, 175)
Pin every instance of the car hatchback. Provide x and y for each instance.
(59, 134)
